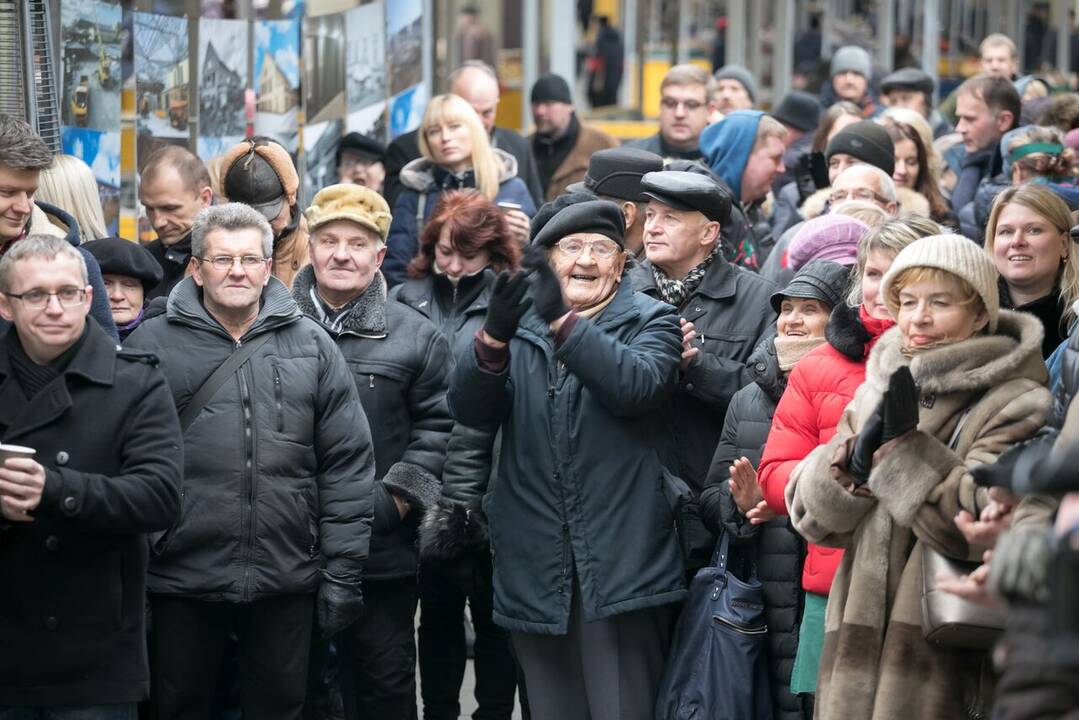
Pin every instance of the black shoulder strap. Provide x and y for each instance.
(213, 383)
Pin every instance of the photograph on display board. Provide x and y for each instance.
(404, 33)
(101, 151)
(319, 148)
(277, 80)
(324, 69)
(370, 121)
(91, 34)
(406, 110)
(365, 56)
(162, 87)
(222, 77)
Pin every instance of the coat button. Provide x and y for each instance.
(51, 623)
(52, 543)
(69, 504)
(62, 457)
(689, 386)
(759, 367)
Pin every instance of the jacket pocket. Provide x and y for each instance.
(159, 541)
(307, 526)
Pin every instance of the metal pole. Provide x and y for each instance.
(886, 34)
(629, 43)
(930, 39)
(955, 18)
(737, 30)
(905, 18)
(684, 21)
(783, 55)
(757, 22)
(1064, 36)
(30, 92)
(563, 35)
(529, 57)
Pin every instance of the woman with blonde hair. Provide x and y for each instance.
(69, 184)
(456, 153)
(1028, 236)
(917, 163)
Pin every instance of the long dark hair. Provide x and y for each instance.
(926, 183)
(475, 224)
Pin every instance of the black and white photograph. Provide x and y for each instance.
(162, 85)
(365, 56)
(404, 32)
(222, 77)
(319, 148)
(324, 68)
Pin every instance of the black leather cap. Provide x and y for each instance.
(821, 280)
(252, 181)
(683, 190)
(798, 110)
(126, 258)
(908, 78)
(617, 172)
(361, 145)
(594, 216)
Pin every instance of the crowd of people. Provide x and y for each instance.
(804, 373)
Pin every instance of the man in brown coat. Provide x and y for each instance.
(561, 145)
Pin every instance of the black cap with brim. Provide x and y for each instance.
(617, 172)
(688, 191)
(821, 280)
(362, 145)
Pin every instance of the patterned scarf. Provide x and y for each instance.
(675, 292)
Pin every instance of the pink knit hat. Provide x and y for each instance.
(828, 237)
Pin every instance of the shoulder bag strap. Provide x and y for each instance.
(213, 383)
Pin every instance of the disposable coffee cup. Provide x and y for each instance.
(15, 451)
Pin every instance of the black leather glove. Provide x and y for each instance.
(868, 441)
(899, 411)
(546, 289)
(507, 306)
(340, 603)
(1019, 570)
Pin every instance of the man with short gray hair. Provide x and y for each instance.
(91, 463)
(277, 483)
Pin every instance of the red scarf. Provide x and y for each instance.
(874, 326)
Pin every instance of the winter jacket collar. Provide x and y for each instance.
(422, 296)
(422, 175)
(852, 332)
(278, 309)
(367, 318)
(973, 365)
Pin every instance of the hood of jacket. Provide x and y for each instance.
(973, 365)
(911, 202)
(278, 308)
(419, 174)
(367, 317)
(46, 219)
(726, 146)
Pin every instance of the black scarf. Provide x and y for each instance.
(32, 377)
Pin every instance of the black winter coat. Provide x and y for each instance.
(582, 479)
(775, 548)
(731, 310)
(399, 363)
(279, 469)
(173, 260)
(72, 595)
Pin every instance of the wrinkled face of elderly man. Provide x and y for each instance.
(589, 266)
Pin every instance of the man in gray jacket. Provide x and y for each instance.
(278, 478)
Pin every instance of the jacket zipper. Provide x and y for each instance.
(371, 382)
(249, 478)
(760, 630)
(278, 399)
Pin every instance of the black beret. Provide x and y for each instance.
(822, 280)
(798, 110)
(617, 172)
(867, 141)
(684, 190)
(126, 258)
(362, 145)
(551, 88)
(550, 209)
(602, 217)
(908, 78)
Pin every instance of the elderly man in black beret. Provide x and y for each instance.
(724, 309)
(576, 370)
(130, 273)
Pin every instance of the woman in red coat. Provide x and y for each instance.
(819, 388)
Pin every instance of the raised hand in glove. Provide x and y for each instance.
(1020, 568)
(895, 416)
(507, 306)
(340, 603)
(546, 289)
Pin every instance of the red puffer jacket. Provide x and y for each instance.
(818, 390)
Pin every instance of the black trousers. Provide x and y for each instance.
(442, 651)
(378, 654)
(187, 645)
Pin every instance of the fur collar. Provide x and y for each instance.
(973, 365)
(419, 174)
(910, 203)
(846, 333)
(368, 317)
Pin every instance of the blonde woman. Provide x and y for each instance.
(1028, 237)
(71, 186)
(456, 153)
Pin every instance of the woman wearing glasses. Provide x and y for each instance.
(576, 370)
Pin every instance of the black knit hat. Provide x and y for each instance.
(551, 88)
(550, 209)
(126, 258)
(867, 141)
(595, 216)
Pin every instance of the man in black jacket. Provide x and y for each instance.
(477, 83)
(104, 469)
(174, 186)
(399, 361)
(277, 480)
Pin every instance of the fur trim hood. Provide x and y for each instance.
(367, 318)
(419, 174)
(910, 203)
(974, 365)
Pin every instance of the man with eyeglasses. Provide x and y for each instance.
(360, 161)
(399, 361)
(724, 312)
(278, 479)
(685, 106)
(90, 464)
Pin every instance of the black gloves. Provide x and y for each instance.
(1019, 571)
(546, 289)
(340, 603)
(895, 416)
(507, 305)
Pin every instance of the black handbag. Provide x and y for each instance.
(717, 668)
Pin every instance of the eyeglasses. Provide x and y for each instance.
(348, 163)
(839, 196)
(225, 262)
(39, 299)
(670, 103)
(572, 247)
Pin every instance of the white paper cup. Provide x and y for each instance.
(15, 451)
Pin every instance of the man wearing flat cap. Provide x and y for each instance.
(259, 173)
(130, 272)
(912, 88)
(360, 160)
(561, 145)
(615, 174)
(724, 309)
(398, 360)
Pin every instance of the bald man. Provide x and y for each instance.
(477, 83)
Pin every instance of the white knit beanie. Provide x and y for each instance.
(951, 253)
